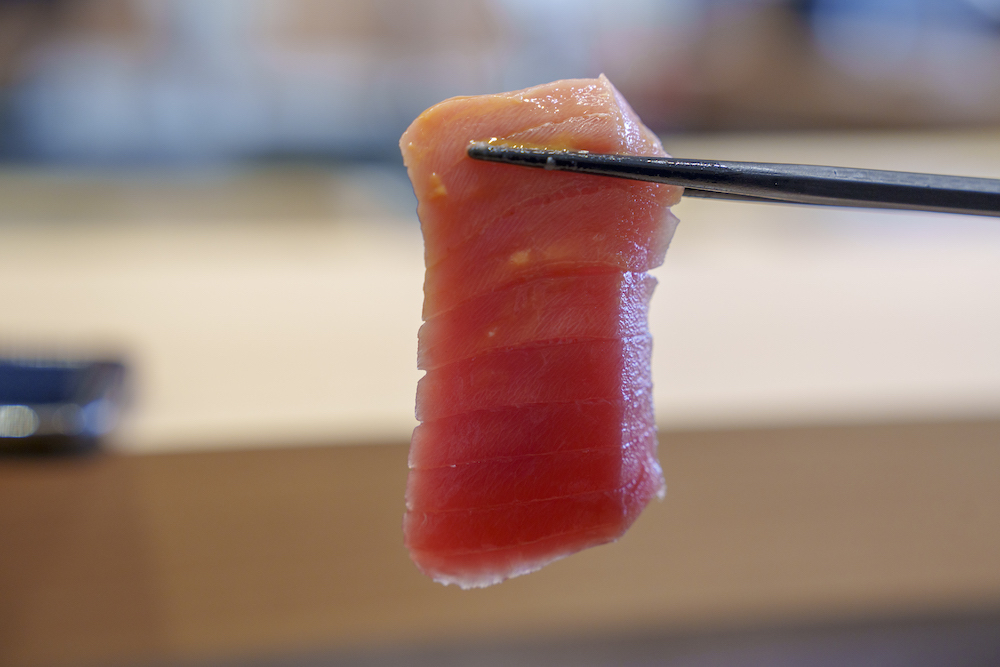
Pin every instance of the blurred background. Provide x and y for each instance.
(208, 194)
(110, 81)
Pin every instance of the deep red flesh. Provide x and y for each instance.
(537, 436)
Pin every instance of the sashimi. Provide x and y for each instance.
(560, 372)
(551, 308)
(537, 435)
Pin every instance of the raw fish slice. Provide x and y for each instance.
(459, 198)
(475, 548)
(609, 369)
(477, 569)
(574, 307)
(540, 428)
(517, 480)
(534, 241)
(484, 529)
(538, 440)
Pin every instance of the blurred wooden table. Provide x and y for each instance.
(229, 554)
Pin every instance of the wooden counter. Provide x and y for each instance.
(127, 559)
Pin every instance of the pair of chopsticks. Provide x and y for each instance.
(774, 183)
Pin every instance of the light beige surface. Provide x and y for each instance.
(280, 306)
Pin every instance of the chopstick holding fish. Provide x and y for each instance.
(770, 183)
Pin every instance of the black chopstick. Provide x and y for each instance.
(775, 183)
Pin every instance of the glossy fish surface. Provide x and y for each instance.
(537, 435)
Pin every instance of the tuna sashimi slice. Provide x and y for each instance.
(551, 373)
(552, 308)
(491, 528)
(523, 430)
(537, 436)
(474, 209)
(523, 479)
(534, 240)
(474, 548)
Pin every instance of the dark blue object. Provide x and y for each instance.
(53, 407)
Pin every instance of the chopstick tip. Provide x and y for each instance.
(477, 150)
